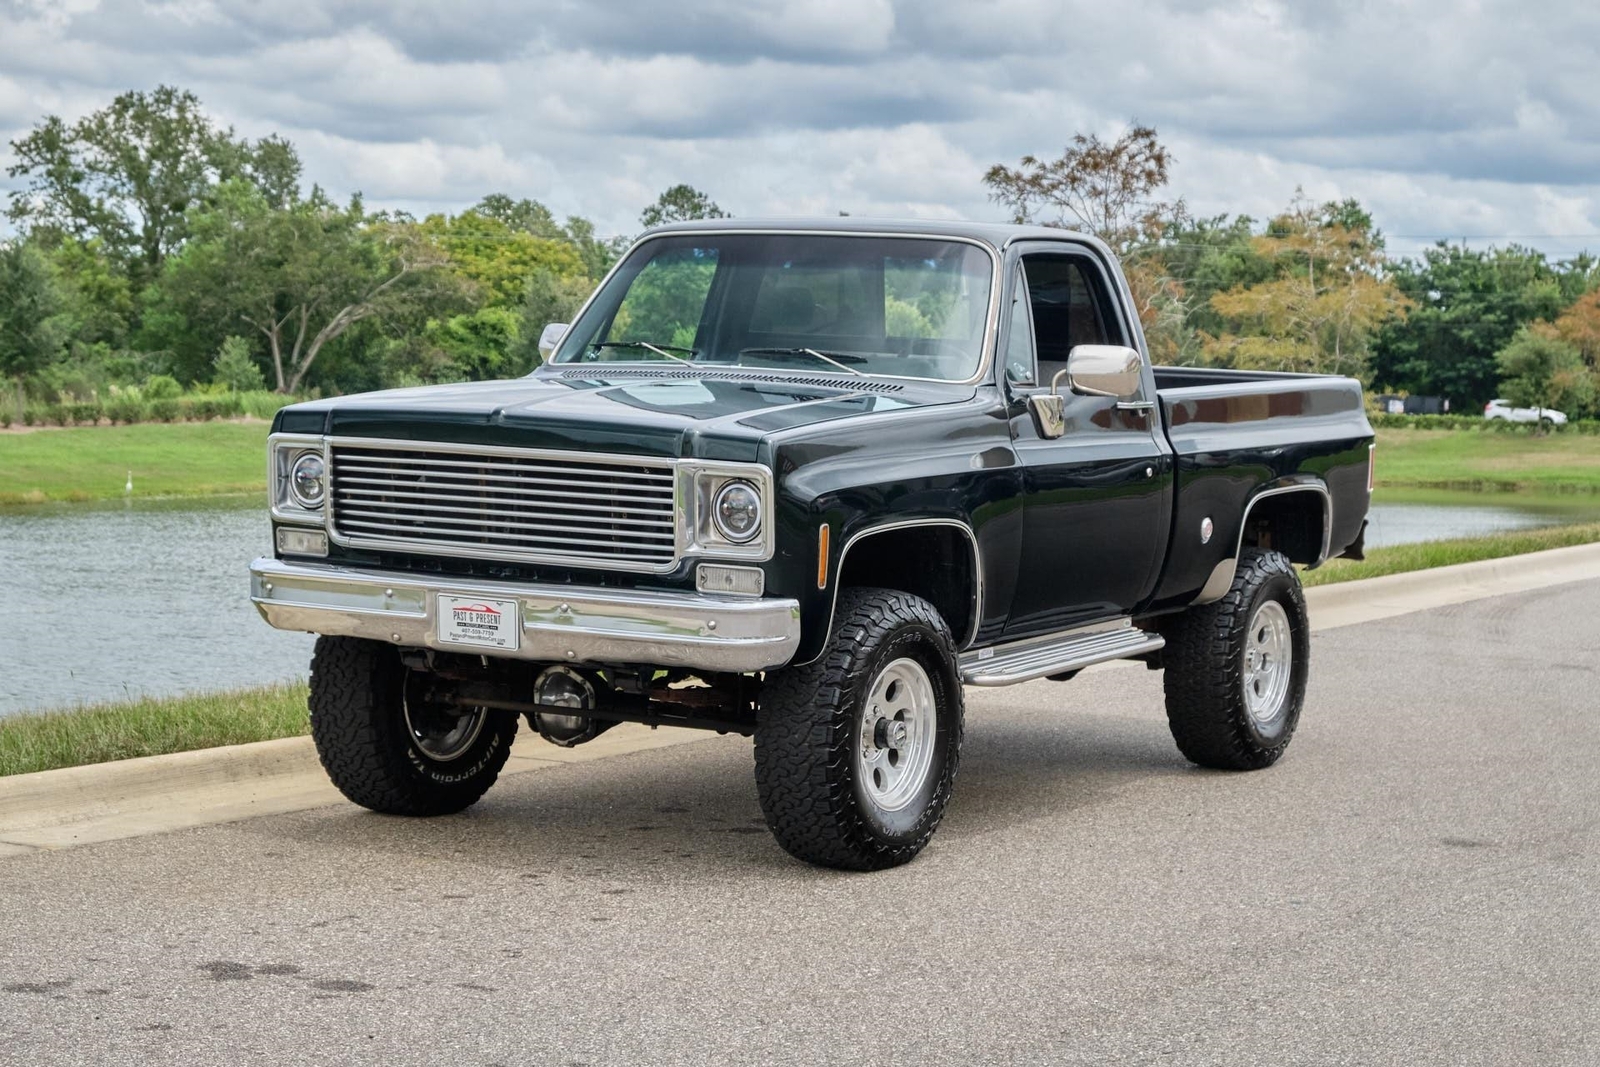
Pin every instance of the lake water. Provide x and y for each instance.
(102, 602)
(97, 603)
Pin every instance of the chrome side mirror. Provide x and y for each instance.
(1103, 370)
(550, 337)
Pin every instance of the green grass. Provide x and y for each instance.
(92, 463)
(149, 727)
(1398, 559)
(1441, 459)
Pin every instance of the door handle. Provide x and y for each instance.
(1136, 405)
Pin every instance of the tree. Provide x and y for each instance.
(476, 346)
(31, 331)
(236, 367)
(1466, 305)
(99, 305)
(1325, 301)
(548, 298)
(1579, 326)
(1109, 190)
(498, 258)
(520, 216)
(1104, 189)
(680, 204)
(127, 174)
(300, 277)
(1541, 370)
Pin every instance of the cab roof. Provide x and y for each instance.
(995, 234)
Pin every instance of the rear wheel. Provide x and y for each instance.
(1236, 669)
(387, 746)
(856, 752)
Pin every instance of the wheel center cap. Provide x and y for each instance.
(890, 733)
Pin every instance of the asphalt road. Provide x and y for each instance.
(1415, 883)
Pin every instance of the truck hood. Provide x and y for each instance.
(711, 414)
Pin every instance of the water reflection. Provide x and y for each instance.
(97, 603)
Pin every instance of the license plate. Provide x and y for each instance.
(480, 623)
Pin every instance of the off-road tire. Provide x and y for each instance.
(1205, 669)
(359, 726)
(807, 723)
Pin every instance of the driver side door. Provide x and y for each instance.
(1097, 499)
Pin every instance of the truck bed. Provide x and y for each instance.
(1236, 434)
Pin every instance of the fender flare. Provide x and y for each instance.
(1221, 578)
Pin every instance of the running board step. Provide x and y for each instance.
(1022, 661)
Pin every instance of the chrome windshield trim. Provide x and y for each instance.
(990, 322)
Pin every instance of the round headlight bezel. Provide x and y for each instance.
(309, 503)
(734, 536)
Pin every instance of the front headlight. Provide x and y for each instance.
(308, 480)
(737, 512)
(297, 478)
(727, 510)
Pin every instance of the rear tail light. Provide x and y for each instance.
(1372, 461)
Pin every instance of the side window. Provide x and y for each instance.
(1069, 309)
(666, 299)
(1019, 335)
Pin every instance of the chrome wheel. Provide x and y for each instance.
(895, 743)
(1268, 662)
(443, 733)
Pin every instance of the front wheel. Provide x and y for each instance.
(1236, 669)
(387, 746)
(856, 752)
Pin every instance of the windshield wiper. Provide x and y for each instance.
(834, 359)
(660, 350)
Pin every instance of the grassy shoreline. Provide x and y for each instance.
(1425, 555)
(38, 741)
(87, 464)
(149, 726)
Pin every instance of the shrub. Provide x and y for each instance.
(263, 405)
(126, 409)
(162, 387)
(163, 410)
(204, 408)
(1477, 424)
(84, 412)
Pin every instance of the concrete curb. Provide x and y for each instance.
(132, 798)
(1371, 599)
(155, 794)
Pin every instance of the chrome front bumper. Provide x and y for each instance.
(560, 624)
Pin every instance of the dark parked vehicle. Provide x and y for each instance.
(805, 481)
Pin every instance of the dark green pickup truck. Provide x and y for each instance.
(806, 481)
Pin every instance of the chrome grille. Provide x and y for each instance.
(511, 504)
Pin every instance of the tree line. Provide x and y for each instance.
(1313, 288)
(155, 243)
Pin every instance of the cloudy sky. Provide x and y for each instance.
(1446, 117)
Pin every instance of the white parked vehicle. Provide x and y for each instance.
(1502, 409)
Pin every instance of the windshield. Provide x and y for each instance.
(904, 306)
